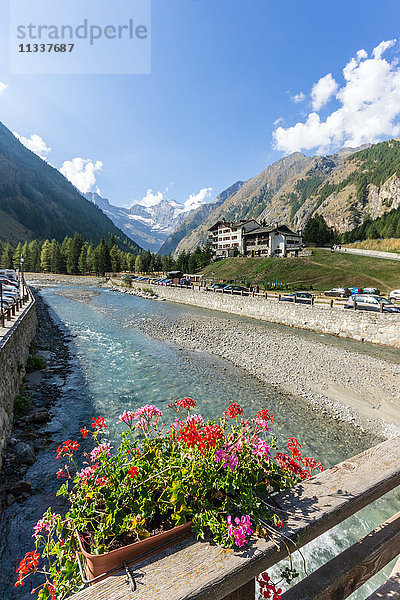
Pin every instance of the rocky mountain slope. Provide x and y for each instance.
(148, 223)
(38, 202)
(345, 188)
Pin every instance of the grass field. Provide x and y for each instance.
(322, 270)
(384, 245)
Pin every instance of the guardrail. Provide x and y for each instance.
(199, 571)
(10, 311)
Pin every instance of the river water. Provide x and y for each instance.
(117, 367)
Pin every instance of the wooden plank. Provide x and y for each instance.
(246, 592)
(348, 571)
(201, 571)
(391, 588)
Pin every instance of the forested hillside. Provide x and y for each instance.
(37, 202)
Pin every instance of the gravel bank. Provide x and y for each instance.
(349, 386)
(38, 279)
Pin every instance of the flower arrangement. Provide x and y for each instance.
(218, 475)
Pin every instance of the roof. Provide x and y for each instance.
(278, 228)
(231, 224)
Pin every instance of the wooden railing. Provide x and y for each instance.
(200, 571)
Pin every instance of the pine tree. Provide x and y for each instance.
(34, 250)
(90, 259)
(56, 262)
(115, 257)
(139, 264)
(82, 262)
(7, 257)
(45, 257)
(17, 256)
(102, 262)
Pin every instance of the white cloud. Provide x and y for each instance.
(3, 87)
(298, 97)
(151, 199)
(35, 143)
(382, 47)
(196, 200)
(322, 91)
(369, 111)
(81, 173)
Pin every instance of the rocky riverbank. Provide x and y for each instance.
(141, 292)
(33, 406)
(347, 385)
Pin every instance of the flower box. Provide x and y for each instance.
(161, 483)
(99, 564)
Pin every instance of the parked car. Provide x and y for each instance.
(217, 286)
(356, 290)
(129, 276)
(235, 288)
(395, 295)
(10, 273)
(9, 282)
(299, 297)
(9, 289)
(7, 301)
(373, 291)
(372, 303)
(338, 292)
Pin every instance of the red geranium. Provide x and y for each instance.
(99, 423)
(133, 472)
(235, 410)
(28, 563)
(84, 432)
(67, 448)
(265, 415)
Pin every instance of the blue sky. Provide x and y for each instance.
(224, 77)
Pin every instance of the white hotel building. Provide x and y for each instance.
(248, 238)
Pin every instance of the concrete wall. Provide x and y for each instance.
(372, 253)
(357, 325)
(14, 351)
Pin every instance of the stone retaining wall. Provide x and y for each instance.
(372, 253)
(14, 351)
(358, 325)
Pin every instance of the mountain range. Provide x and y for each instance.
(345, 187)
(148, 222)
(38, 202)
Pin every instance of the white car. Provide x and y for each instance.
(395, 295)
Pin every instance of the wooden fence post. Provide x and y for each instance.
(331, 303)
(246, 592)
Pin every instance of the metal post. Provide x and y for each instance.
(331, 303)
(21, 271)
(355, 304)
